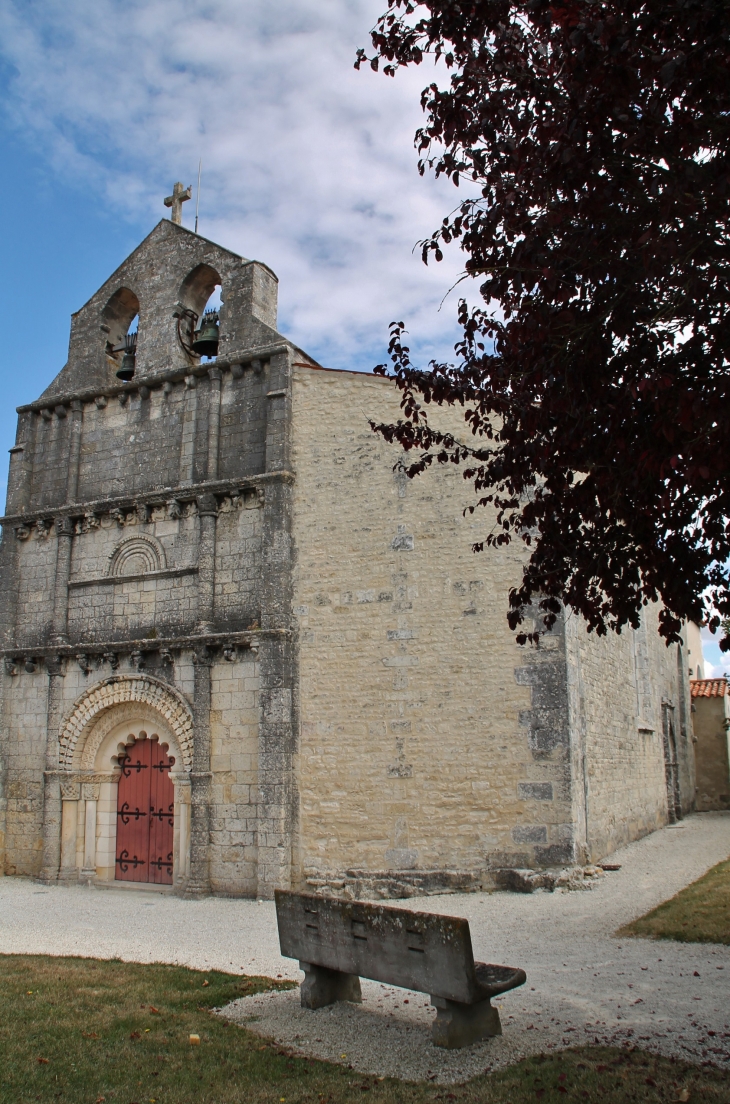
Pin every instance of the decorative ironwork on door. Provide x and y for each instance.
(145, 814)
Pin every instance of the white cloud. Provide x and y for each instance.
(308, 165)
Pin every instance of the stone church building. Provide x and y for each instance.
(240, 651)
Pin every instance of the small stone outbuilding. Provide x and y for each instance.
(711, 726)
(240, 650)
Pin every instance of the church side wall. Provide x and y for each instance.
(429, 740)
(620, 689)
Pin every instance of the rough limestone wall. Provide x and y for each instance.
(22, 756)
(617, 686)
(234, 763)
(428, 739)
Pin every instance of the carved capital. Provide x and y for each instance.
(215, 374)
(54, 666)
(70, 791)
(202, 656)
(64, 527)
(207, 505)
(90, 791)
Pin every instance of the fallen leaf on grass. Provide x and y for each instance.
(155, 1011)
(194, 1040)
(42, 1061)
(205, 983)
(683, 1096)
(135, 1035)
(100, 1100)
(89, 1035)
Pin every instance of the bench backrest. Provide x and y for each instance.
(415, 950)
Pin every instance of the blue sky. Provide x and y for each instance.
(308, 165)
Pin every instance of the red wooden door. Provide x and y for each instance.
(145, 814)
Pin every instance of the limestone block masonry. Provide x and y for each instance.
(221, 555)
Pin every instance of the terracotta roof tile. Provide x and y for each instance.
(708, 688)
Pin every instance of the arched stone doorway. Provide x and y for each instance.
(114, 724)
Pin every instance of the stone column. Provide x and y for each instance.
(74, 450)
(20, 476)
(200, 780)
(51, 780)
(214, 421)
(90, 794)
(64, 537)
(207, 514)
(189, 426)
(70, 795)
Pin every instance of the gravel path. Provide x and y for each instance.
(584, 985)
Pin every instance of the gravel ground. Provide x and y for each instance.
(583, 984)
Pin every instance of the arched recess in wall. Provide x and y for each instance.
(137, 556)
(119, 319)
(117, 690)
(200, 291)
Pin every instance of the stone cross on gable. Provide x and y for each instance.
(176, 200)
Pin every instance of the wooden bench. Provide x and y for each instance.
(338, 942)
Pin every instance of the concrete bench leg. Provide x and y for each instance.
(322, 986)
(458, 1025)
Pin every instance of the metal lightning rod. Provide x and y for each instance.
(197, 195)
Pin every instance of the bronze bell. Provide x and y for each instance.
(126, 372)
(207, 337)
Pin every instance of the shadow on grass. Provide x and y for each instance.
(700, 913)
(87, 1032)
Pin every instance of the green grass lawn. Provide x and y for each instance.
(86, 1031)
(698, 914)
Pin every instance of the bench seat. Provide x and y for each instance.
(338, 942)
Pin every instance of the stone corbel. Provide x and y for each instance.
(112, 659)
(137, 660)
(166, 659)
(229, 653)
(29, 664)
(10, 666)
(174, 510)
(117, 516)
(84, 663)
(22, 532)
(89, 523)
(43, 528)
(143, 513)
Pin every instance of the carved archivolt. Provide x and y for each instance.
(144, 690)
(137, 556)
(135, 714)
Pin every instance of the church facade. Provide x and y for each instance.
(241, 651)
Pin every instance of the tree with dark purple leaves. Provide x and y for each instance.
(594, 381)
